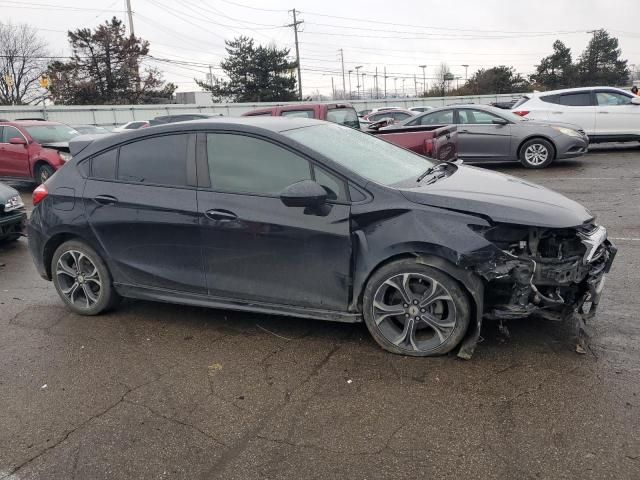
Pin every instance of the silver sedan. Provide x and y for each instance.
(489, 134)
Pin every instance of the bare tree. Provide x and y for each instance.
(22, 63)
(443, 78)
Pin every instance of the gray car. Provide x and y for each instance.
(489, 134)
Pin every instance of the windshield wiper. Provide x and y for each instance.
(430, 170)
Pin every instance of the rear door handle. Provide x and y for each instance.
(105, 200)
(557, 112)
(464, 131)
(603, 112)
(220, 215)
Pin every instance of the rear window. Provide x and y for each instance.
(344, 116)
(579, 99)
(523, 100)
(298, 113)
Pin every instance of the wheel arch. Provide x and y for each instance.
(52, 244)
(38, 163)
(533, 137)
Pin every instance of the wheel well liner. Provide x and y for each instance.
(50, 247)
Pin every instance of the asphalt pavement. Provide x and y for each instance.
(161, 391)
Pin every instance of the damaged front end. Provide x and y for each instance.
(550, 273)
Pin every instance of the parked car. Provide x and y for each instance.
(33, 150)
(134, 125)
(505, 105)
(489, 134)
(421, 109)
(433, 142)
(181, 117)
(13, 215)
(341, 113)
(606, 114)
(397, 114)
(316, 220)
(91, 130)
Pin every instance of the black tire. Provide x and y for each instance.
(449, 310)
(80, 300)
(43, 173)
(536, 153)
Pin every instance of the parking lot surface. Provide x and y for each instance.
(163, 391)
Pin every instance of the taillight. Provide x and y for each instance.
(39, 194)
(522, 113)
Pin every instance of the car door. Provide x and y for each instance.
(140, 200)
(479, 138)
(577, 108)
(254, 247)
(616, 115)
(14, 159)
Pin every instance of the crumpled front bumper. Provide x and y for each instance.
(13, 223)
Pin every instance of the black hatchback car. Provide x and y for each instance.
(313, 220)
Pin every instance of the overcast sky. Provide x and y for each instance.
(398, 34)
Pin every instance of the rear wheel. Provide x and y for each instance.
(413, 309)
(43, 173)
(82, 279)
(536, 153)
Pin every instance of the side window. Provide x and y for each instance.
(400, 116)
(545, 98)
(103, 166)
(156, 160)
(133, 126)
(580, 99)
(468, 116)
(612, 99)
(336, 189)
(9, 132)
(298, 113)
(263, 114)
(445, 117)
(242, 164)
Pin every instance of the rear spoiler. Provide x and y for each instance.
(79, 143)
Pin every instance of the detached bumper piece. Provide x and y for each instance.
(552, 274)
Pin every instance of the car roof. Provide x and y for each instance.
(572, 90)
(29, 123)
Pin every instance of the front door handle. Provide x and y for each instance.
(105, 199)
(220, 215)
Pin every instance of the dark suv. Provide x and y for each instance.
(315, 220)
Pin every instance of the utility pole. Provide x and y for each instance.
(415, 84)
(344, 85)
(395, 85)
(350, 98)
(295, 24)
(424, 78)
(364, 92)
(375, 83)
(403, 87)
(385, 81)
(130, 13)
(333, 90)
(211, 78)
(358, 80)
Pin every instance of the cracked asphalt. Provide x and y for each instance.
(162, 391)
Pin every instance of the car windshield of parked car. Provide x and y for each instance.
(51, 133)
(343, 116)
(363, 154)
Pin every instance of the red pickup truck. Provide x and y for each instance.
(433, 141)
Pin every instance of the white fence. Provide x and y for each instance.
(112, 115)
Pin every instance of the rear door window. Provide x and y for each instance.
(156, 160)
(477, 117)
(399, 116)
(577, 99)
(298, 113)
(9, 132)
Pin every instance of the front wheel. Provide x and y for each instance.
(43, 173)
(413, 309)
(536, 153)
(82, 279)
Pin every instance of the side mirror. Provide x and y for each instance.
(499, 121)
(305, 193)
(18, 141)
(635, 100)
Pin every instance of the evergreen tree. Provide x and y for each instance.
(557, 70)
(255, 74)
(600, 63)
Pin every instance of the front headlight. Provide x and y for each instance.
(568, 131)
(13, 203)
(64, 156)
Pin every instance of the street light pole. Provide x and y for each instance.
(395, 85)
(364, 92)
(350, 97)
(424, 78)
(358, 79)
(465, 72)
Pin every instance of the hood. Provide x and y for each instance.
(6, 192)
(64, 146)
(502, 198)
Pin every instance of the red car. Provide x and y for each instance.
(32, 150)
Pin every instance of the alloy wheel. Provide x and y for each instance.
(414, 312)
(536, 154)
(78, 279)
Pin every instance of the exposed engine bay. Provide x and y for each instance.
(544, 272)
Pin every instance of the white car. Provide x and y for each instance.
(421, 109)
(132, 126)
(606, 114)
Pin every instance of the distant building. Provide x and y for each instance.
(194, 98)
